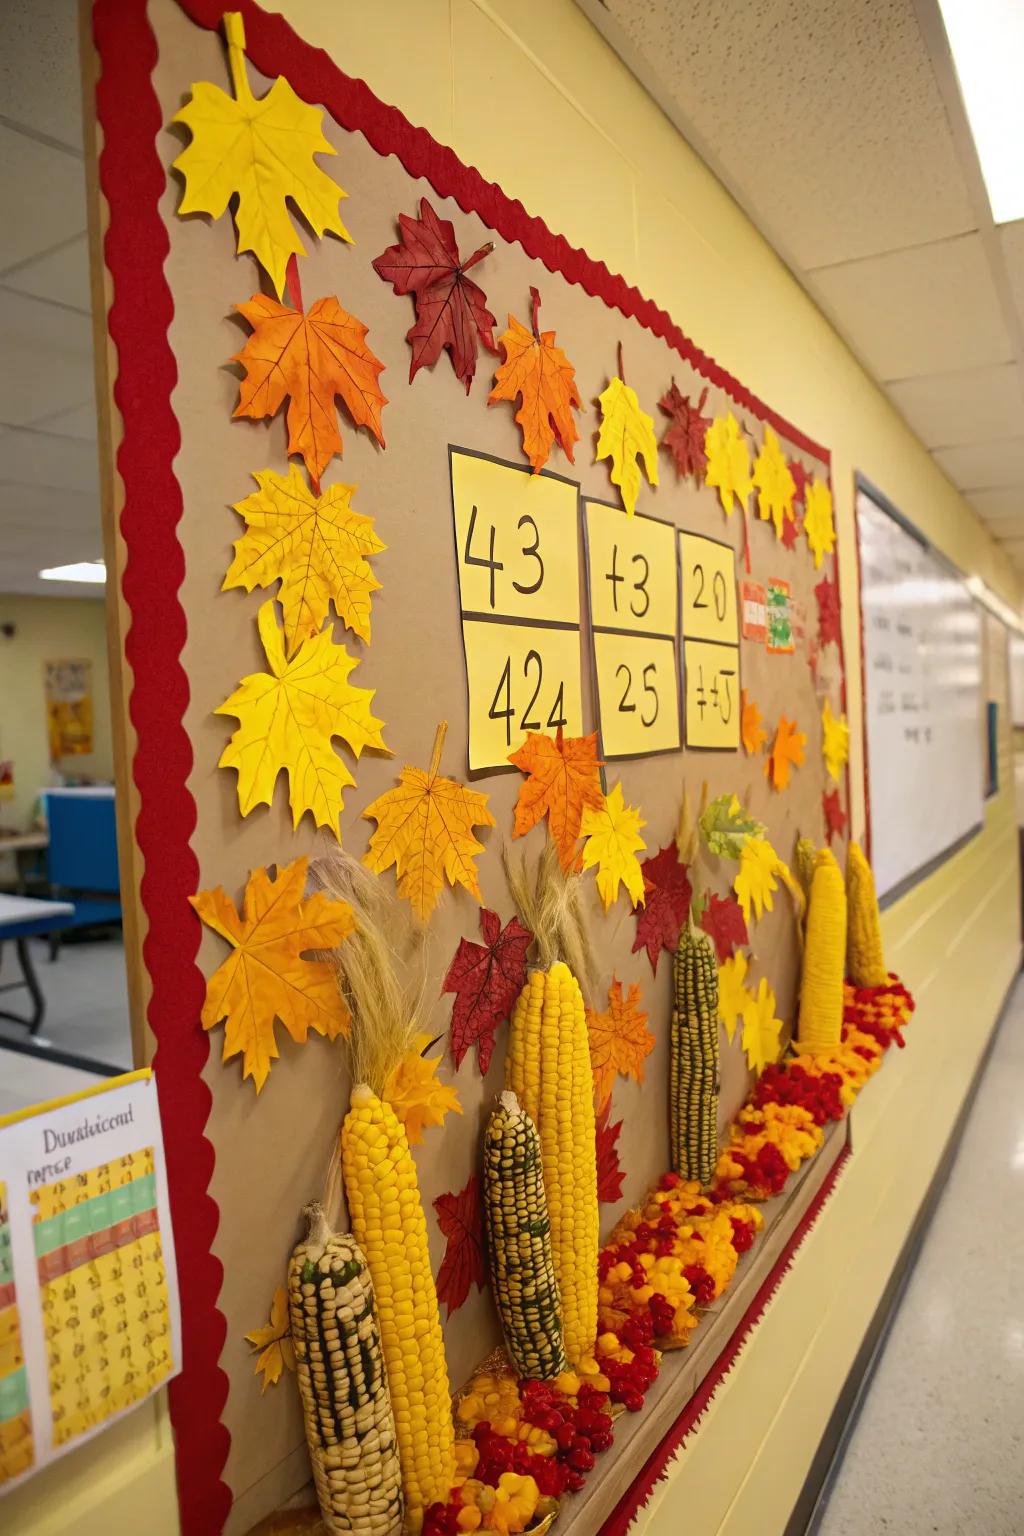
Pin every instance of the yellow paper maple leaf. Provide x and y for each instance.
(818, 524)
(316, 545)
(416, 1095)
(728, 462)
(287, 718)
(761, 1029)
(265, 978)
(732, 990)
(425, 829)
(262, 152)
(835, 741)
(274, 1340)
(619, 1041)
(775, 484)
(755, 879)
(626, 437)
(612, 843)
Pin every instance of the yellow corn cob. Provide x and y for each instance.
(865, 958)
(388, 1223)
(349, 1425)
(821, 987)
(548, 1069)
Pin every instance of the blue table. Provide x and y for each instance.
(23, 918)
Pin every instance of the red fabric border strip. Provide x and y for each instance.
(132, 179)
(656, 1466)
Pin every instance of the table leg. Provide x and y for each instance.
(31, 984)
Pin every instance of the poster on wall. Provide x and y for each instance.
(68, 688)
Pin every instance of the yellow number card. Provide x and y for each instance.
(521, 679)
(712, 695)
(631, 577)
(709, 589)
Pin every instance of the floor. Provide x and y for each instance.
(938, 1448)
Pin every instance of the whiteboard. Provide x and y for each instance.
(923, 706)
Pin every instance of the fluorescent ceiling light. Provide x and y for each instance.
(81, 570)
(986, 38)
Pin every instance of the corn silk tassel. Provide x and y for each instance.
(865, 957)
(821, 989)
(693, 1062)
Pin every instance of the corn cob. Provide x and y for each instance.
(821, 986)
(865, 958)
(693, 1086)
(548, 1069)
(390, 1227)
(519, 1241)
(349, 1425)
(806, 853)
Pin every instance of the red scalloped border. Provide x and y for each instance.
(132, 179)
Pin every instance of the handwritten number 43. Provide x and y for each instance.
(531, 550)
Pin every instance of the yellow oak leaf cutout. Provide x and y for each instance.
(619, 1041)
(732, 991)
(761, 1029)
(626, 438)
(265, 977)
(274, 1341)
(835, 741)
(425, 829)
(755, 879)
(287, 719)
(818, 524)
(318, 547)
(776, 487)
(261, 152)
(613, 841)
(414, 1092)
(728, 462)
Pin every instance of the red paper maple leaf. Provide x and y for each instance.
(451, 310)
(827, 593)
(723, 919)
(609, 1173)
(835, 816)
(684, 438)
(461, 1220)
(791, 530)
(486, 979)
(668, 893)
(800, 479)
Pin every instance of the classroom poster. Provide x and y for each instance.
(68, 686)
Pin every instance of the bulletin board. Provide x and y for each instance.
(507, 598)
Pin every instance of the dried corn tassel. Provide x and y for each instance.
(806, 853)
(865, 958)
(519, 1241)
(389, 1224)
(821, 987)
(350, 1429)
(693, 1089)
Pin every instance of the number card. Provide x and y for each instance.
(516, 544)
(712, 695)
(631, 576)
(709, 589)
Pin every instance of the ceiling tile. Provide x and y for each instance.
(39, 459)
(40, 79)
(47, 187)
(79, 421)
(22, 505)
(968, 406)
(979, 465)
(1011, 237)
(929, 310)
(61, 274)
(47, 354)
(998, 503)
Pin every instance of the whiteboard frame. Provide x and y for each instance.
(882, 502)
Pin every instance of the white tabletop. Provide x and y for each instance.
(27, 909)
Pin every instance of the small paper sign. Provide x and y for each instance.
(754, 610)
(780, 619)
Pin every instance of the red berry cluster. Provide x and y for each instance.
(767, 1172)
(743, 1233)
(443, 1519)
(700, 1283)
(579, 1432)
(819, 1094)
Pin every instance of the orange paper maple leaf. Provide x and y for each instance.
(309, 359)
(265, 978)
(425, 829)
(787, 752)
(619, 1041)
(752, 729)
(539, 372)
(563, 776)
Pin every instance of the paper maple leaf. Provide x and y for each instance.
(835, 741)
(274, 1341)
(774, 482)
(538, 372)
(486, 979)
(732, 991)
(752, 731)
(415, 1093)
(451, 311)
(667, 893)
(425, 829)
(827, 594)
(563, 779)
(761, 1029)
(619, 1041)
(626, 438)
(755, 879)
(287, 718)
(262, 152)
(787, 752)
(461, 1219)
(265, 978)
(723, 921)
(316, 545)
(609, 1171)
(684, 436)
(835, 816)
(728, 467)
(726, 826)
(819, 528)
(791, 530)
(800, 478)
(612, 843)
(309, 359)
